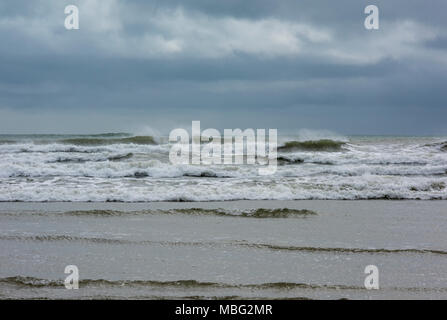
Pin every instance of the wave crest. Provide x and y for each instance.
(97, 141)
(36, 282)
(312, 145)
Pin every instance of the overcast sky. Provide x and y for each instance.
(143, 66)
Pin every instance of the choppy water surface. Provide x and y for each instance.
(122, 167)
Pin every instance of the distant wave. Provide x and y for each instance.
(60, 149)
(315, 145)
(286, 160)
(42, 138)
(347, 250)
(98, 142)
(7, 141)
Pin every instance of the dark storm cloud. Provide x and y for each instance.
(144, 61)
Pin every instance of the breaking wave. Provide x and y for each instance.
(313, 145)
(37, 282)
(253, 213)
(264, 246)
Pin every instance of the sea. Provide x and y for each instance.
(136, 226)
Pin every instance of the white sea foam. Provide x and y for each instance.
(366, 168)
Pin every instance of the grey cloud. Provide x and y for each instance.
(329, 73)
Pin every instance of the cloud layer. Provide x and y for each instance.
(292, 65)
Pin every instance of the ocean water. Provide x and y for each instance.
(315, 249)
(122, 167)
(140, 227)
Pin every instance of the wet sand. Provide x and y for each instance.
(165, 250)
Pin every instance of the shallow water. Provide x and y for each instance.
(316, 249)
(118, 167)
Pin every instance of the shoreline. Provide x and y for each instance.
(244, 203)
(160, 249)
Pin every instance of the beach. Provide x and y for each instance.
(306, 249)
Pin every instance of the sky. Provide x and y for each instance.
(151, 66)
